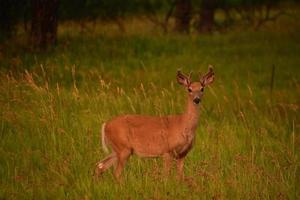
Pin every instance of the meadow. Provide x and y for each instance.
(53, 104)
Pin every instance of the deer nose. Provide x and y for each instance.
(197, 100)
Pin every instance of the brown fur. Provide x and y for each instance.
(170, 136)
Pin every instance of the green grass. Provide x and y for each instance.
(53, 104)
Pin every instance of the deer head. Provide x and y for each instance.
(196, 89)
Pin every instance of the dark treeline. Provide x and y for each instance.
(40, 17)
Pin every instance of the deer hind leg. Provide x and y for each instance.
(104, 164)
(122, 158)
(179, 165)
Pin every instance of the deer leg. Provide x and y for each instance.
(104, 164)
(167, 163)
(179, 164)
(122, 158)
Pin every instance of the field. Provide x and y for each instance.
(53, 104)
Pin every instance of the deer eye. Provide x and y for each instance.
(189, 89)
(202, 89)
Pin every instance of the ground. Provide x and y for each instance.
(53, 104)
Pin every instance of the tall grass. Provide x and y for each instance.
(53, 104)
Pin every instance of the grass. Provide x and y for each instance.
(53, 104)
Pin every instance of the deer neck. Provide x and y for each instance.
(191, 116)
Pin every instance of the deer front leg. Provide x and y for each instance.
(167, 158)
(180, 164)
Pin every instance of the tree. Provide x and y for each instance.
(183, 14)
(11, 12)
(44, 23)
(207, 11)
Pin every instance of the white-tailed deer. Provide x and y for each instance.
(170, 136)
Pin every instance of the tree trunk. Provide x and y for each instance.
(183, 10)
(7, 20)
(44, 23)
(206, 22)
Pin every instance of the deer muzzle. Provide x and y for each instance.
(197, 100)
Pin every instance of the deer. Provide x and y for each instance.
(170, 137)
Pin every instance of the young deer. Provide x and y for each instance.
(170, 136)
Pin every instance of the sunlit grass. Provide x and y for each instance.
(53, 104)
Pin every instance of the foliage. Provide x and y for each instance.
(80, 9)
(11, 13)
(16, 11)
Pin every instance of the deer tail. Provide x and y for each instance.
(104, 147)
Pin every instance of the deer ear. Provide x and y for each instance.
(183, 79)
(209, 77)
